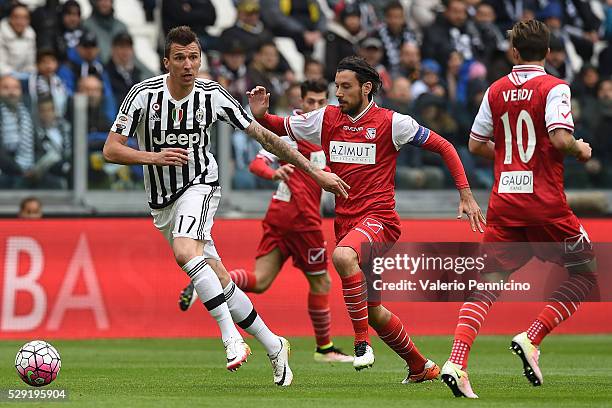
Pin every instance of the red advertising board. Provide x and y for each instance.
(93, 278)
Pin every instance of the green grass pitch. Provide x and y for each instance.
(190, 372)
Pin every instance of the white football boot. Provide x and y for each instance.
(237, 352)
(364, 356)
(283, 376)
(457, 380)
(530, 355)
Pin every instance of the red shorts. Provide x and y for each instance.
(573, 244)
(307, 248)
(371, 236)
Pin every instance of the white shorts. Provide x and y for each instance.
(191, 216)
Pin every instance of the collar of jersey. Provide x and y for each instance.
(363, 112)
(528, 68)
(523, 73)
(170, 97)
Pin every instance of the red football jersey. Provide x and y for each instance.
(362, 150)
(518, 111)
(295, 205)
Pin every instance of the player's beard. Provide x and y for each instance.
(350, 109)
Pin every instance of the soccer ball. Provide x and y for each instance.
(37, 363)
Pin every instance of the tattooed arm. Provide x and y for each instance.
(274, 144)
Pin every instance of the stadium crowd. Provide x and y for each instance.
(436, 59)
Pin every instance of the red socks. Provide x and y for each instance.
(318, 309)
(244, 279)
(355, 292)
(396, 337)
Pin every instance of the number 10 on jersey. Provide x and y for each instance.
(525, 152)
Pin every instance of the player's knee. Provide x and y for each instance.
(345, 260)
(320, 284)
(183, 254)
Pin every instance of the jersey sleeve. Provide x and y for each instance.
(404, 129)
(559, 109)
(229, 110)
(130, 114)
(482, 129)
(306, 126)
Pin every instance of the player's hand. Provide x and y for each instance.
(584, 151)
(469, 206)
(172, 156)
(331, 182)
(259, 101)
(283, 172)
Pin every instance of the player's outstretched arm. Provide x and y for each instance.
(117, 151)
(274, 144)
(564, 140)
(467, 203)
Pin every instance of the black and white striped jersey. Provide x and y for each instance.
(159, 122)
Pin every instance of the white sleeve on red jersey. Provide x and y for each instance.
(306, 126)
(559, 109)
(404, 129)
(482, 129)
(271, 157)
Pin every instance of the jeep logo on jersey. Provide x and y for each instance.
(355, 153)
(173, 139)
(370, 133)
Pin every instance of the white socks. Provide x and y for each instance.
(209, 290)
(246, 317)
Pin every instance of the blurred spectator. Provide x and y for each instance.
(46, 83)
(248, 30)
(30, 208)
(263, 71)
(53, 147)
(423, 12)
(292, 101)
(452, 31)
(605, 61)
(46, 24)
(556, 63)
(430, 80)
(500, 66)
(244, 150)
(124, 69)
(581, 25)
(70, 30)
(493, 39)
(103, 23)
(149, 8)
(86, 63)
(100, 173)
(410, 62)
(509, 12)
(585, 85)
(608, 21)
(17, 43)
(197, 14)
(399, 97)
(342, 38)
(232, 72)
(552, 15)
(394, 32)
(371, 49)
(16, 136)
(367, 10)
(301, 20)
(313, 70)
(98, 119)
